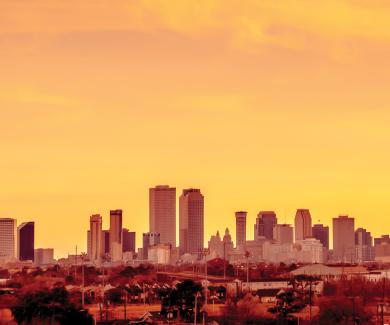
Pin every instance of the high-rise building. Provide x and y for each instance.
(7, 238)
(364, 248)
(116, 235)
(149, 239)
(321, 233)
(128, 240)
(162, 213)
(264, 225)
(283, 234)
(344, 239)
(228, 245)
(25, 244)
(105, 246)
(191, 221)
(95, 222)
(302, 224)
(240, 227)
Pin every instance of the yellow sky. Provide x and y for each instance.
(261, 104)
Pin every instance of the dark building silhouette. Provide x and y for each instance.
(384, 239)
(128, 240)
(321, 233)
(26, 241)
(105, 242)
(264, 226)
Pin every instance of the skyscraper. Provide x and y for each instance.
(162, 213)
(321, 233)
(7, 238)
(128, 240)
(191, 221)
(116, 235)
(344, 239)
(283, 234)
(264, 225)
(363, 243)
(302, 224)
(95, 222)
(240, 227)
(25, 246)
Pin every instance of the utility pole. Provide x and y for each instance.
(247, 254)
(83, 280)
(224, 259)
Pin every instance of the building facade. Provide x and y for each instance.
(240, 227)
(128, 241)
(116, 235)
(162, 213)
(25, 245)
(302, 224)
(7, 238)
(264, 225)
(95, 228)
(344, 239)
(283, 234)
(149, 239)
(191, 221)
(321, 233)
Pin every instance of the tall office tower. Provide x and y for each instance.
(283, 234)
(264, 225)
(149, 239)
(363, 243)
(7, 238)
(240, 227)
(302, 224)
(191, 221)
(228, 245)
(384, 239)
(95, 229)
(105, 246)
(162, 213)
(321, 233)
(344, 239)
(25, 246)
(116, 235)
(128, 240)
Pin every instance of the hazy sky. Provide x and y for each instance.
(261, 104)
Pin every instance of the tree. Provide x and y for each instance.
(49, 306)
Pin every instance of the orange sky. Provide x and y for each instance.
(261, 104)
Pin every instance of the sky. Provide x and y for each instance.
(263, 105)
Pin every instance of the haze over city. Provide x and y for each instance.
(262, 106)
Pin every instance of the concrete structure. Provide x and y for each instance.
(95, 228)
(344, 239)
(283, 234)
(44, 256)
(278, 253)
(149, 239)
(191, 221)
(363, 245)
(302, 224)
(25, 245)
(240, 227)
(321, 233)
(159, 254)
(128, 241)
(7, 238)
(265, 222)
(162, 213)
(309, 251)
(116, 241)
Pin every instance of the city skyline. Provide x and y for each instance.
(262, 105)
(249, 226)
